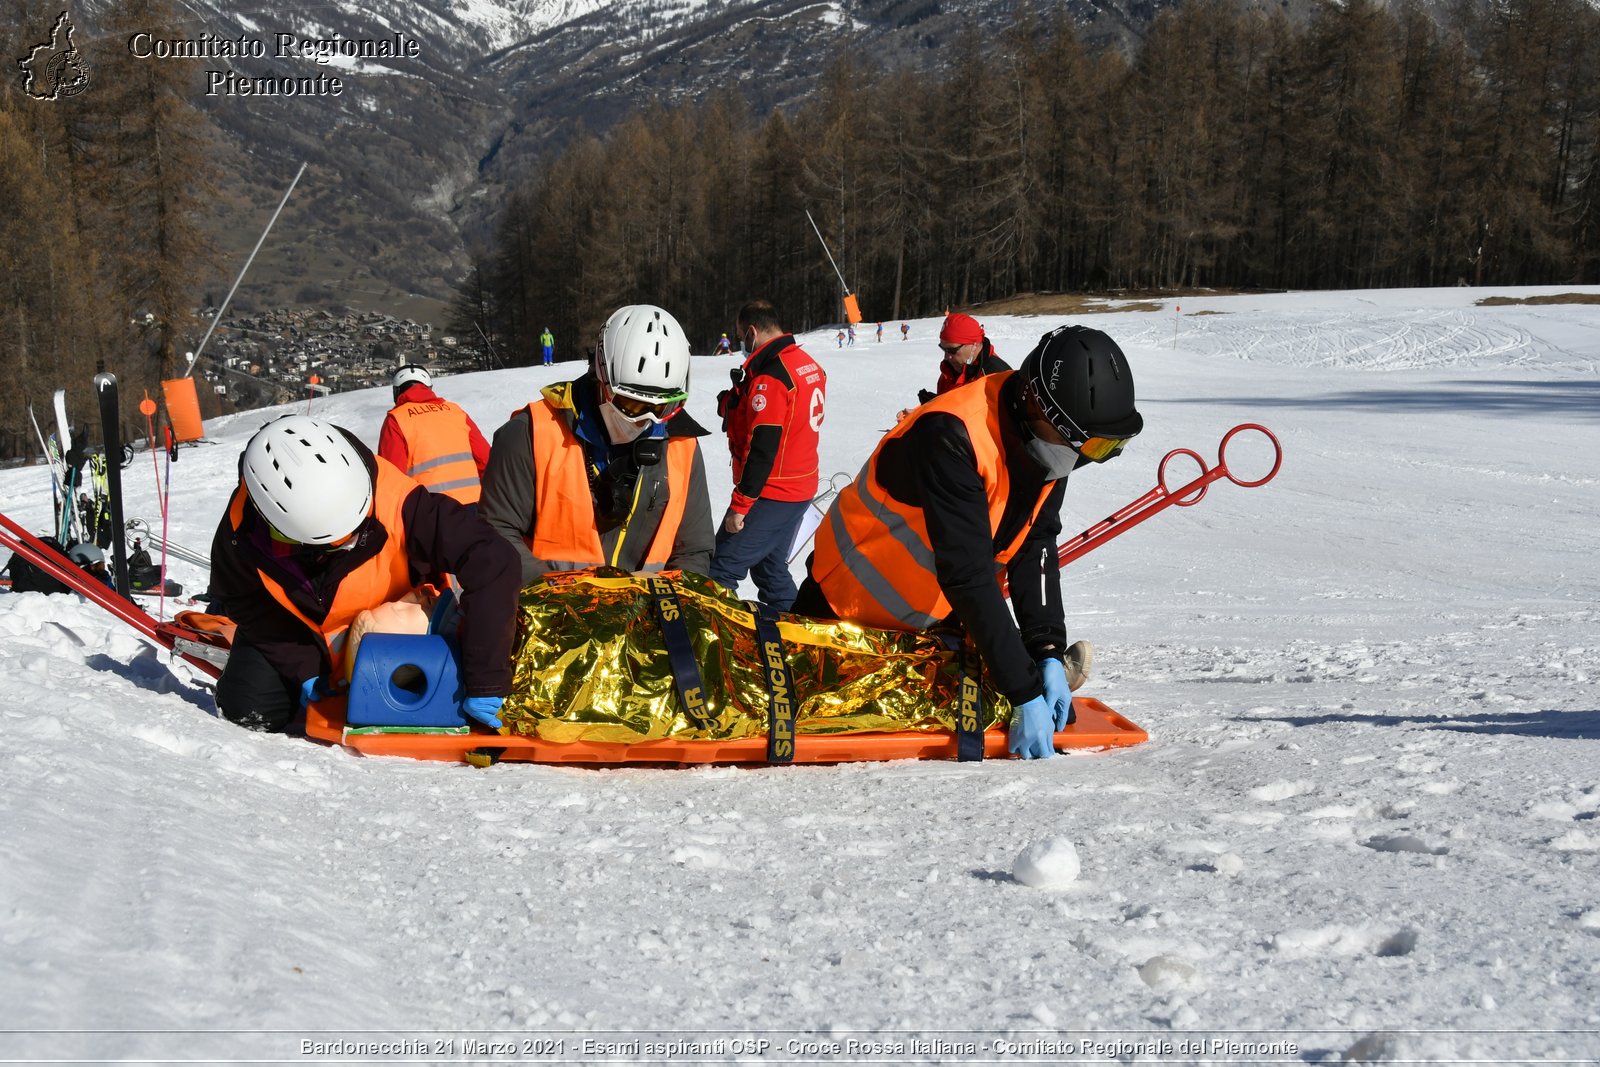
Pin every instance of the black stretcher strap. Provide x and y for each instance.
(969, 709)
(781, 697)
(680, 653)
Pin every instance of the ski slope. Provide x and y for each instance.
(1367, 823)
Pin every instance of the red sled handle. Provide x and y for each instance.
(1159, 498)
(20, 540)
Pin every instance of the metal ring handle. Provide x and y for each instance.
(1222, 455)
(1161, 476)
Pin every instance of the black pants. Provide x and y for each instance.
(254, 695)
(810, 601)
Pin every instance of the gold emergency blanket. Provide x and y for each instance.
(591, 665)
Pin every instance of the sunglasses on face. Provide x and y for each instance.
(951, 350)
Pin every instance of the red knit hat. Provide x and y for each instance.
(960, 329)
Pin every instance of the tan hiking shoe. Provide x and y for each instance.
(1078, 661)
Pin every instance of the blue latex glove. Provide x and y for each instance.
(312, 689)
(1032, 736)
(483, 709)
(1057, 693)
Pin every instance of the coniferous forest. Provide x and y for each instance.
(102, 229)
(1369, 147)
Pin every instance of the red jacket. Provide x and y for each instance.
(773, 418)
(435, 442)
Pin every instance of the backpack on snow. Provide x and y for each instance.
(27, 578)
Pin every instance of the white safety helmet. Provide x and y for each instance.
(86, 555)
(411, 374)
(307, 480)
(642, 361)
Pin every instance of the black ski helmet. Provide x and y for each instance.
(1083, 381)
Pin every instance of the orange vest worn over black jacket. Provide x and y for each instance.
(874, 560)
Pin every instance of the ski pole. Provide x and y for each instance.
(166, 488)
(55, 480)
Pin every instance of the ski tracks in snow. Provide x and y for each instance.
(1372, 339)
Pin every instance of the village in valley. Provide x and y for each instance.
(270, 357)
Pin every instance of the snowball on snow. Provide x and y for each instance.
(1048, 864)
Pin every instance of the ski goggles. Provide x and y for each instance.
(656, 408)
(344, 544)
(1097, 448)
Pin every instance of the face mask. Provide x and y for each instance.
(1057, 460)
(744, 345)
(619, 427)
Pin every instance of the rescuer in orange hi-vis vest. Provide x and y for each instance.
(606, 469)
(967, 489)
(318, 530)
(433, 440)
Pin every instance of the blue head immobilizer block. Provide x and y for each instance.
(405, 680)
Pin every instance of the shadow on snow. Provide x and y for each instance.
(1565, 396)
(151, 675)
(1577, 725)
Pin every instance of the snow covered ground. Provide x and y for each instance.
(1367, 823)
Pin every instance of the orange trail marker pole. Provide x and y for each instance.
(147, 408)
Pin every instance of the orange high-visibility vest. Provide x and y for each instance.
(439, 445)
(566, 533)
(874, 561)
(381, 579)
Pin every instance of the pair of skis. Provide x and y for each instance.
(64, 475)
(72, 525)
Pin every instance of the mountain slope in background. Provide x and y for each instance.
(411, 161)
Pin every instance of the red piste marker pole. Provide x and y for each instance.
(311, 390)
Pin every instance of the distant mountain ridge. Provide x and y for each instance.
(411, 160)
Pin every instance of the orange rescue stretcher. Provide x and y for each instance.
(1097, 727)
(614, 668)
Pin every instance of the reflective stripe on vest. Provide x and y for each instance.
(383, 578)
(874, 560)
(439, 446)
(566, 535)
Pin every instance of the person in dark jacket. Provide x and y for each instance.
(970, 485)
(319, 530)
(967, 356)
(607, 469)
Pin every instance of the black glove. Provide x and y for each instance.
(924, 395)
